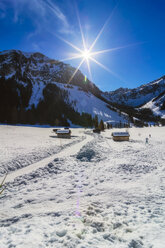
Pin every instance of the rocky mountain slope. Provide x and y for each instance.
(35, 89)
(151, 95)
(157, 105)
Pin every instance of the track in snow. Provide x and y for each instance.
(69, 151)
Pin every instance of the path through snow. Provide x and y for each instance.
(66, 152)
(106, 194)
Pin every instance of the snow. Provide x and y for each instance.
(28, 145)
(10, 75)
(37, 94)
(87, 191)
(141, 99)
(8, 52)
(155, 108)
(63, 131)
(23, 83)
(88, 103)
(156, 82)
(41, 70)
(137, 96)
(121, 134)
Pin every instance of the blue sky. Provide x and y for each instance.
(136, 25)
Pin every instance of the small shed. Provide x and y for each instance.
(66, 133)
(55, 130)
(120, 136)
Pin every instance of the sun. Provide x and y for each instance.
(86, 54)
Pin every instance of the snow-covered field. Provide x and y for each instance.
(87, 191)
(22, 145)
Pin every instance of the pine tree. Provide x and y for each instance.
(96, 121)
(101, 125)
(14, 115)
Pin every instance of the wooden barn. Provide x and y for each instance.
(66, 133)
(120, 136)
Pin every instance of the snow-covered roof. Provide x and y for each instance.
(121, 134)
(66, 131)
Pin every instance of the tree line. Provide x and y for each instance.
(54, 109)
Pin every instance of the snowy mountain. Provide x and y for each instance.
(151, 95)
(157, 105)
(36, 89)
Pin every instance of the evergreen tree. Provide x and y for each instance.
(96, 123)
(14, 115)
(101, 125)
(120, 124)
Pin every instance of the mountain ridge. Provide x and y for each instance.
(35, 84)
(37, 87)
(141, 96)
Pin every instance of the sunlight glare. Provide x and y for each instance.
(86, 54)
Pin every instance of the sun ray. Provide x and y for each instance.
(102, 29)
(89, 69)
(82, 34)
(101, 65)
(107, 69)
(78, 56)
(81, 55)
(76, 70)
(114, 49)
(86, 54)
(70, 44)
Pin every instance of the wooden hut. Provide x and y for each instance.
(120, 136)
(55, 130)
(66, 133)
